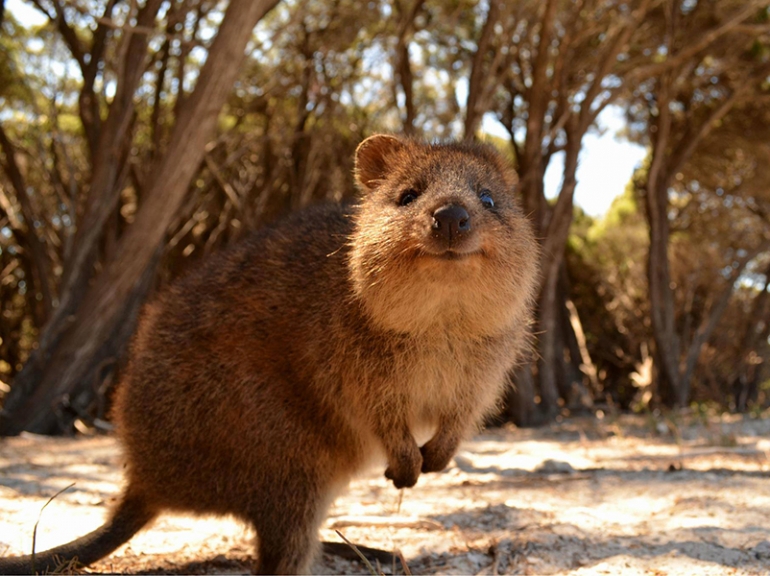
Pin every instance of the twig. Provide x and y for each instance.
(368, 564)
(39, 516)
(404, 565)
(392, 522)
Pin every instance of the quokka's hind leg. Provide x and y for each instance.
(287, 530)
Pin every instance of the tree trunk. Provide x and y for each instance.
(746, 385)
(667, 342)
(520, 407)
(105, 359)
(658, 274)
(557, 227)
(99, 205)
(547, 344)
(111, 298)
(669, 154)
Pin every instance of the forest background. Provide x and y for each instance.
(137, 137)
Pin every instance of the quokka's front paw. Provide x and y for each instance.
(437, 453)
(404, 468)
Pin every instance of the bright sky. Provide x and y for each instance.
(606, 162)
(28, 15)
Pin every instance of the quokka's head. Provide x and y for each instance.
(440, 241)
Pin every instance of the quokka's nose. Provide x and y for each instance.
(450, 222)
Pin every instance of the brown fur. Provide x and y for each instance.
(340, 338)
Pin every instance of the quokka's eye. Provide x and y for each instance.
(408, 196)
(486, 199)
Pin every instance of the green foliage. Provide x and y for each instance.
(606, 258)
(13, 90)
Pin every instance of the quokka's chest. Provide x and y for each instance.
(447, 372)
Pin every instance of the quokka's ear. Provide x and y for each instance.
(373, 156)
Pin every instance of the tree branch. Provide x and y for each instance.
(702, 42)
(37, 251)
(709, 324)
(476, 82)
(69, 36)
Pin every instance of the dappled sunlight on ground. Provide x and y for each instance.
(582, 497)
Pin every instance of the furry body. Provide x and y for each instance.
(337, 339)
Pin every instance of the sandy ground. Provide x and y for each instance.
(623, 495)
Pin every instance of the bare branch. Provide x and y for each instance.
(41, 264)
(231, 194)
(692, 141)
(403, 67)
(69, 36)
(478, 75)
(712, 318)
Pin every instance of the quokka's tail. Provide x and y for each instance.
(131, 515)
